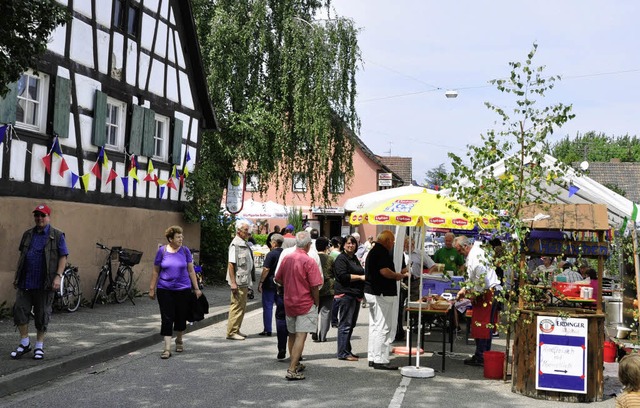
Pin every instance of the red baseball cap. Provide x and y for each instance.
(43, 208)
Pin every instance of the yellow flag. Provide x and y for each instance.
(173, 171)
(185, 171)
(150, 167)
(85, 181)
(133, 173)
(161, 182)
(105, 161)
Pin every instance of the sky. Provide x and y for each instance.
(415, 50)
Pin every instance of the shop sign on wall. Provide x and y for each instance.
(561, 355)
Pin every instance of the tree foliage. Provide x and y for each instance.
(519, 140)
(25, 28)
(597, 147)
(436, 176)
(283, 87)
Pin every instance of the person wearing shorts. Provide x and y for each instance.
(43, 257)
(301, 278)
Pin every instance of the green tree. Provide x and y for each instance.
(597, 147)
(524, 127)
(436, 176)
(25, 28)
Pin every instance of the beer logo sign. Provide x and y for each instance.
(547, 326)
(436, 220)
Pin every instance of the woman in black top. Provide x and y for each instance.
(349, 291)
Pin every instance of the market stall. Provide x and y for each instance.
(558, 347)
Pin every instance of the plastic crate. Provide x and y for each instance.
(130, 257)
(568, 289)
(439, 286)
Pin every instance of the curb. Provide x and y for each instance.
(30, 377)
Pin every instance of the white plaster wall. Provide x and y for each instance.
(118, 50)
(86, 91)
(174, 195)
(63, 72)
(156, 84)
(132, 62)
(83, 7)
(18, 160)
(172, 18)
(103, 51)
(57, 40)
(71, 140)
(153, 188)
(164, 175)
(81, 49)
(191, 164)
(147, 30)
(62, 2)
(171, 48)
(37, 170)
(194, 131)
(181, 61)
(104, 173)
(164, 9)
(161, 40)
(64, 181)
(152, 5)
(87, 166)
(172, 84)
(143, 66)
(120, 169)
(141, 189)
(103, 13)
(86, 124)
(185, 90)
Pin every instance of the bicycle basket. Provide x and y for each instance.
(130, 257)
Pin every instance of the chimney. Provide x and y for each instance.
(614, 160)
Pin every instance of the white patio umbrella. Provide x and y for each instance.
(257, 209)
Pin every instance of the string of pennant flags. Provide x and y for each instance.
(103, 162)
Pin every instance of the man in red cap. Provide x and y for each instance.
(43, 256)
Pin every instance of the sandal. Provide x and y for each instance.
(38, 354)
(300, 368)
(20, 351)
(165, 354)
(179, 347)
(294, 375)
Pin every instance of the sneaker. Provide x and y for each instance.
(282, 354)
(294, 375)
(473, 361)
(235, 337)
(314, 336)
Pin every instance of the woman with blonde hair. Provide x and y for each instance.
(172, 280)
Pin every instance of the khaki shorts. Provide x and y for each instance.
(40, 300)
(306, 323)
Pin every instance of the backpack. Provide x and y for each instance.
(327, 272)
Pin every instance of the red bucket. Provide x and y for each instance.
(610, 351)
(493, 364)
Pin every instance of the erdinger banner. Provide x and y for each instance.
(235, 193)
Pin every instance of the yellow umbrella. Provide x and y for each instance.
(422, 210)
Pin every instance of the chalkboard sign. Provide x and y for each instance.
(561, 357)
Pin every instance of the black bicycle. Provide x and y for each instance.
(121, 285)
(69, 295)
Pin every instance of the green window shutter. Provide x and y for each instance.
(62, 106)
(8, 105)
(100, 119)
(137, 126)
(148, 147)
(176, 147)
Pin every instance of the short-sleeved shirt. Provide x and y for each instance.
(451, 259)
(298, 274)
(416, 259)
(271, 261)
(174, 274)
(376, 284)
(34, 261)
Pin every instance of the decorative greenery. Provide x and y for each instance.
(294, 217)
(520, 141)
(25, 29)
(597, 147)
(261, 239)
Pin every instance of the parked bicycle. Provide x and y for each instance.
(69, 295)
(195, 253)
(121, 285)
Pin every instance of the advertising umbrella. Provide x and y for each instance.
(256, 209)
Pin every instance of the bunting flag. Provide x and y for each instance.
(112, 176)
(173, 171)
(125, 184)
(47, 163)
(162, 191)
(63, 167)
(105, 161)
(161, 182)
(74, 179)
(186, 171)
(149, 176)
(85, 181)
(171, 184)
(188, 157)
(56, 147)
(182, 180)
(3, 131)
(573, 189)
(634, 218)
(96, 170)
(155, 180)
(133, 171)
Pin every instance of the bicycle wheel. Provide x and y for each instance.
(123, 282)
(99, 283)
(70, 292)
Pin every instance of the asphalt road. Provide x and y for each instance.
(215, 372)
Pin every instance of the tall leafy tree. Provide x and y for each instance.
(282, 82)
(25, 28)
(597, 147)
(436, 176)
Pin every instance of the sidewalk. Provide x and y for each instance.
(90, 336)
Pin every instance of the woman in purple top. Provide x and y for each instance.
(174, 276)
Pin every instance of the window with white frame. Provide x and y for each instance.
(161, 138)
(253, 182)
(31, 109)
(115, 124)
(299, 183)
(336, 184)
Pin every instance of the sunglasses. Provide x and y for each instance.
(39, 215)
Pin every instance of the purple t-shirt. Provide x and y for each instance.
(174, 274)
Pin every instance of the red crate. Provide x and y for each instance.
(568, 289)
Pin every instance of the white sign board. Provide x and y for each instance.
(235, 193)
(561, 354)
(385, 183)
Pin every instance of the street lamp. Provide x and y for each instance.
(451, 94)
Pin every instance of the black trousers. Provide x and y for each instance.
(174, 306)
